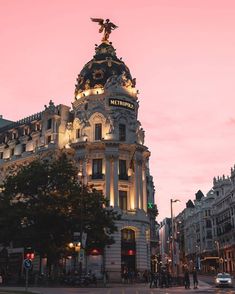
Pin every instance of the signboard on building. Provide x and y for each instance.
(121, 103)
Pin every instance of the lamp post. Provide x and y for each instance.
(198, 257)
(173, 236)
(218, 253)
(81, 182)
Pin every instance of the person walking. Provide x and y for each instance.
(186, 279)
(195, 280)
(152, 278)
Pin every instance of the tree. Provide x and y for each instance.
(44, 204)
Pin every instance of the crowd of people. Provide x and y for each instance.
(161, 278)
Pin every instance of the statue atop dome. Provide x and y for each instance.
(106, 27)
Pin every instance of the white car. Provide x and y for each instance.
(223, 280)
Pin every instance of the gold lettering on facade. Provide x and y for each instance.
(121, 103)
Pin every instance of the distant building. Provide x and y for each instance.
(164, 232)
(224, 220)
(206, 228)
(198, 230)
(4, 122)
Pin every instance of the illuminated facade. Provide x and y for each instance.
(104, 135)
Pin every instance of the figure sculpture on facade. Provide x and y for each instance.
(51, 108)
(120, 80)
(140, 134)
(111, 81)
(106, 27)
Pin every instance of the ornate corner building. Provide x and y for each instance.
(104, 135)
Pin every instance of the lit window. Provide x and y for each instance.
(128, 235)
(37, 127)
(122, 170)
(123, 200)
(26, 131)
(78, 133)
(48, 139)
(97, 169)
(122, 132)
(98, 131)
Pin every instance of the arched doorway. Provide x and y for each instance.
(128, 249)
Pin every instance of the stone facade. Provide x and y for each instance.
(223, 220)
(207, 226)
(103, 134)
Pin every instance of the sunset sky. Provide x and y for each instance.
(182, 53)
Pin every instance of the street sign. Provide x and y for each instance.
(27, 263)
(81, 255)
(83, 241)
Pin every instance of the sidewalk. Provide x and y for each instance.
(123, 288)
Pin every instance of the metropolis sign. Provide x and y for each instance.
(121, 103)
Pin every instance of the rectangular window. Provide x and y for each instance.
(122, 170)
(49, 123)
(12, 151)
(1, 155)
(97, 169)
(26, 131)
(48, 139)
(78, 135)
(122, 132)
(37, 127)
(23, 148)
(98, 131)
(123, 200)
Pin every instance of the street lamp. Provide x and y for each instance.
(198, 257)
(173, 235)
(218, 253)
(82, 235)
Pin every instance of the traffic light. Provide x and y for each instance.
(29, 253)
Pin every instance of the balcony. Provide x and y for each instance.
(97, 176)
(123, 177)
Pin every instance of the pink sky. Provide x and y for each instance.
(182, 53)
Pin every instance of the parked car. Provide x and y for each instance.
(223, 280)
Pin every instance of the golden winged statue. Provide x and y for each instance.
(106, 27)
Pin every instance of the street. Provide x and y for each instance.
(126, 289)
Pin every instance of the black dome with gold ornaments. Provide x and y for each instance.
(104, 65)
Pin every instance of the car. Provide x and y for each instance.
(223, 280)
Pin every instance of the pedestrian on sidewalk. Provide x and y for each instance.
(195, 280)
(186, 279)
(152, 278)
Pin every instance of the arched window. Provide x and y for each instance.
(128, 235)
(122, 132)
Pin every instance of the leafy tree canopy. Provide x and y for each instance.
(44, 204)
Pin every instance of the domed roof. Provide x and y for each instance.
(104, 65)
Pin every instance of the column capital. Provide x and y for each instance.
(111, 155)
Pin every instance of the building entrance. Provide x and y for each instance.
(128, 250)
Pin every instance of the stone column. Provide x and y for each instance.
(107, 177)
(84, 171)
(142, 249)
(144, 188)
(115, 180)
(136, 185)
(140, 185)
